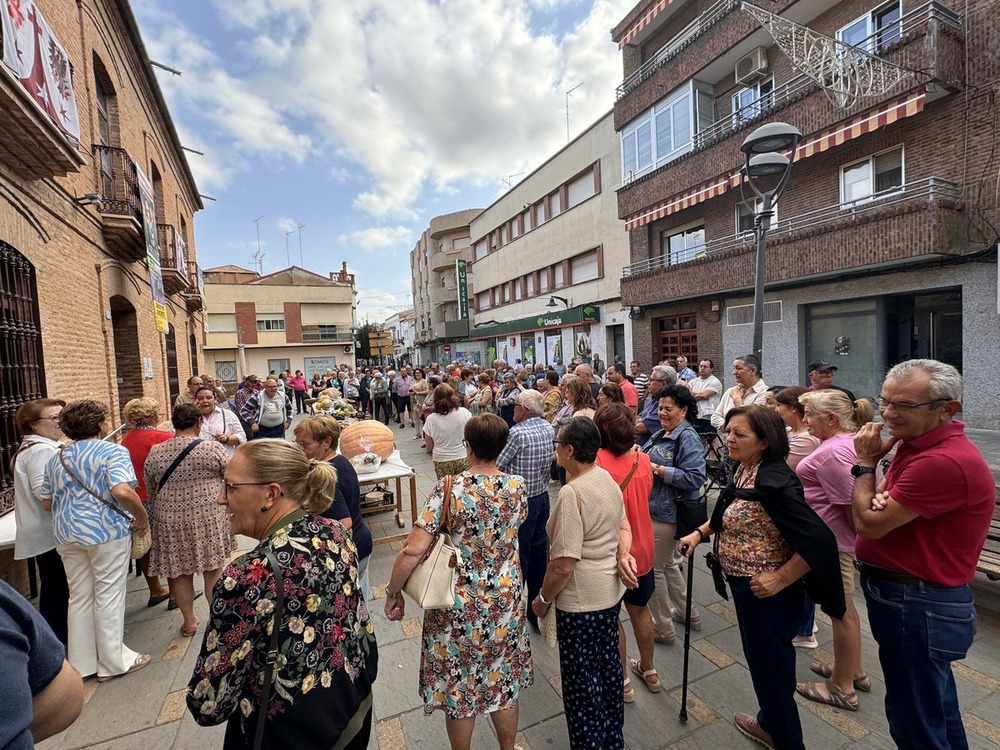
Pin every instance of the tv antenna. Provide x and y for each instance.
(509, 179)
(258, 260)
(569, 92)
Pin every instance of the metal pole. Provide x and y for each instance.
(761, 225)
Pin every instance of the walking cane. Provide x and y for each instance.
(687, 633)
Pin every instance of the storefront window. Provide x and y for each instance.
(845, 334)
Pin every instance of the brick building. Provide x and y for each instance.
(884, 243)
(92, 182)
(292, 319)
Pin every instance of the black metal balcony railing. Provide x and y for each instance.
(171, 255)
(932, 189)
(119, 182)
(718, 10)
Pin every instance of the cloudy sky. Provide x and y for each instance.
(364, 119)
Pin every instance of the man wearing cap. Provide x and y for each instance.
(821, 376)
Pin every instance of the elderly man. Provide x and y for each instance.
(684, 372)
(187, 397)
(268, 412)
(648, 421)
(706, 389)
(616, 375)
(528, 453)
(920, 533)
(639, 379)
(820, 374)
(587, 373)
(750, 388)
(401, 386)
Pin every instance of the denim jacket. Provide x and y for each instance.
(682, 453)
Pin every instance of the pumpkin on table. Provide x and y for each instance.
(383, 440)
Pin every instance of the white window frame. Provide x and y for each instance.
(757, 205)
(870, 42)
(267, 323)
(872, 175)
(750, 101)
(690, 253)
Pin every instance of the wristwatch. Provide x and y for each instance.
(857, 470)
(391, 594)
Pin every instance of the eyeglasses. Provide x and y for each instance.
(558, 442)
(54, 418)
(226, 486)
(884, 403)
(305, 443)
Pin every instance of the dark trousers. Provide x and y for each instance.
(381, 406)
(270, 432)
(365, 399)
(532, 544)
(53, 598)
(767, 627)
(300, 401)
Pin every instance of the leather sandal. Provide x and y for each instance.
(647, 675)
(824, 669)
(628, 692)
(837, 699)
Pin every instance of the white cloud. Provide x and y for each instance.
(379, 238)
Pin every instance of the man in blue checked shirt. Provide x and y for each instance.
(528, 453)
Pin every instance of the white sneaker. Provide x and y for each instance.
(805, 641)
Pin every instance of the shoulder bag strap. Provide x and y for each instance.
(22, 447)
(628, 477)
(272, 652)
(75, 478)
(446, 511)
(177, 462)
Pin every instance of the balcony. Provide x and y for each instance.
(121, 207)
(194, 293)
(828, 241)
(930, 40)
(36, 147)
(173, 263)
(442, 261)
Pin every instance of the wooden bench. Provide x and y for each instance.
(989, 558)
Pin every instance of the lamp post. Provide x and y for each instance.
(763, 163)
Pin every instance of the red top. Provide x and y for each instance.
(138, 443)
(631, 395)
(943, 477)
(636, 496)
(298, 382)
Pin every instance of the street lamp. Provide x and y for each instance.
(553, 303)
(764, 163)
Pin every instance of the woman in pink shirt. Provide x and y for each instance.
(826, 479)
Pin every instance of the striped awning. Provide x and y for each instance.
(643, 22)
(868, 122)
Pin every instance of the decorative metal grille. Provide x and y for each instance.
(22, 375)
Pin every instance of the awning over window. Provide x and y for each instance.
(868, 122)
(643, 22)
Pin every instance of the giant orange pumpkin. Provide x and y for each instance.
(383, 439)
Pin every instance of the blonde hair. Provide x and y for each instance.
(310, 483)
(319, 427)
(143, 411)
(831, 401)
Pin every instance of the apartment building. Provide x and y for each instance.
(547, 257)
(99, 285)
(884, 245)
(292, 319)
(442, 284)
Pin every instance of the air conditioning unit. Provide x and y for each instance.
(347, 349)
(752, 67)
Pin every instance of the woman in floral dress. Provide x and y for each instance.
(475, 657)
(327, 657)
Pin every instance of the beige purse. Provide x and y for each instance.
(432, 583)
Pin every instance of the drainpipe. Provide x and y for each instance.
(108, 351)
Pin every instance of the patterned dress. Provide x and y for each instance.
(192, 532)
(327, 658)
(476, 657)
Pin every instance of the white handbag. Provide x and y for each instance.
(432, 583)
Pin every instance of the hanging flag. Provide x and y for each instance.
(40, 62)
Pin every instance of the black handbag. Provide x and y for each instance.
(691, 514)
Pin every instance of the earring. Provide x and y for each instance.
(263, 509)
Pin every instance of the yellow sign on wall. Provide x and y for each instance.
(160, 316)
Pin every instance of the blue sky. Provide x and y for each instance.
(363, 123)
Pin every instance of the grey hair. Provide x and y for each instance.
(532, 402)
(584, 371)
(945, 380)
(669, 374)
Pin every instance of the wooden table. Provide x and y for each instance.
(393, 468)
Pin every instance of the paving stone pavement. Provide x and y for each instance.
(147, 709)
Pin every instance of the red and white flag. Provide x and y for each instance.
(31, 50)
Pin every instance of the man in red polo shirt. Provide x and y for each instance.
(616, 374)
(920, 533)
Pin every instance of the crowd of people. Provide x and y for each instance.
(289, 655)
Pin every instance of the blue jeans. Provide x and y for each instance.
(920, 631)
(767, 627)
(532, 544)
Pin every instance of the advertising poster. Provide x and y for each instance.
(553, 348)
(527, 349)
(148, 203)
(582, 338)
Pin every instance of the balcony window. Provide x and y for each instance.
(749, 102)
(684, 245)
(874, 31)
(874, 177)
(320, 333)
(270, 324)
(745, 218)
(666, 131)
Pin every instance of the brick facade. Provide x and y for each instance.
(246, 321)
(293, 323)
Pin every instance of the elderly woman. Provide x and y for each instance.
(327, 660)
(318, 436)
(632, 472)
(443, 432)
(220, 425)
(418, 395)
(580, 397)
(191, 534)
(38, 423)
(142, 415)
(677, 458)
(90, 487)
(588, 535)
(771, 547)
(828, 485)
(483, 402)
(475, 657)
(506, 397)
(380, 393)
(800, 442)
